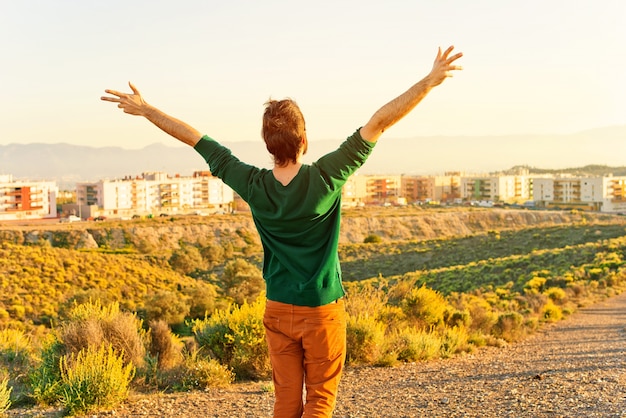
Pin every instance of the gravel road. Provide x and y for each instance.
(574, 368)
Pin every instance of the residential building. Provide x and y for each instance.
(510, 189)
(27, 199)
(605, 194)
(155, 192)
(383, 190)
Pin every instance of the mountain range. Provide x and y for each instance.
(67, 164)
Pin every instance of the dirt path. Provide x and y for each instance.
(575, 368)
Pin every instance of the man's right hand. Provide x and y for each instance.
(132, 104)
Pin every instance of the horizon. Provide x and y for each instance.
(534, 68)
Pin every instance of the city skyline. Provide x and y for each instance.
(549, 68)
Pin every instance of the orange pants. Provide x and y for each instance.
(307, 346)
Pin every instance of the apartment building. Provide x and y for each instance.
(497, 188)
(155, 192)
(606, 194)
(384, 190)
(27, 199)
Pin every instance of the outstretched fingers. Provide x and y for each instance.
(114, 93)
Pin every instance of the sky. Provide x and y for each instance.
(530, 67)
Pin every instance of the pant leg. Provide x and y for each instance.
(286, 356)
(324, 342)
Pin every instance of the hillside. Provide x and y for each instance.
(166, 234)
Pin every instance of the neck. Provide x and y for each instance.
(284, 174)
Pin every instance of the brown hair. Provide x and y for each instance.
(283, 130)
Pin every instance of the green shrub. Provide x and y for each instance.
(5, 396)
(364, 335)
(45, 377)
(94, 378)
(236, 336)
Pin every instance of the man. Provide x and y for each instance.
(296, 209)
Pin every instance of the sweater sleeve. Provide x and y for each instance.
(224, 165)
(337, 166)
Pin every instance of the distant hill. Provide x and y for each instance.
(598, 151)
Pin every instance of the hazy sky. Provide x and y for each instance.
(534, 66)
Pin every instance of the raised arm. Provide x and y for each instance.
(134, 104)
(399, 107)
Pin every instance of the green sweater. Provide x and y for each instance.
(298, 223)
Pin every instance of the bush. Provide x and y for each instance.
(164, 345)
(94, 378)
(167, 306)
(5, 396)
(45, 378)
(372, 239)
(552, 313)
(187, 259)
(202, 373)
(236, 336)
(364, 335)
(413, 345)
(366, 300)
(92, 324)
(556, 294)
(242, 281)
(16, 356)
(15, 348)
(426, 306)
(509, 326)
(453, 341)
(213, 254)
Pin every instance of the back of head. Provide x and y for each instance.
(284, 131)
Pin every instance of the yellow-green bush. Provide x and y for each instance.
(5, 396)
(365, 336)
(414, 345)
(236, 336)
(556, 294)
(365, 299)
(94, 378)
(202, 373)
(509, 326)
(454, 340)
(552, 313)
(15, 347)
(242, 281)
(167, 306)
(425, 306)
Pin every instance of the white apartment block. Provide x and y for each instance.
(157, 192)
(605, 194)
(496, 188)
(27, 199)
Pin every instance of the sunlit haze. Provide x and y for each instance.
(531, 67)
